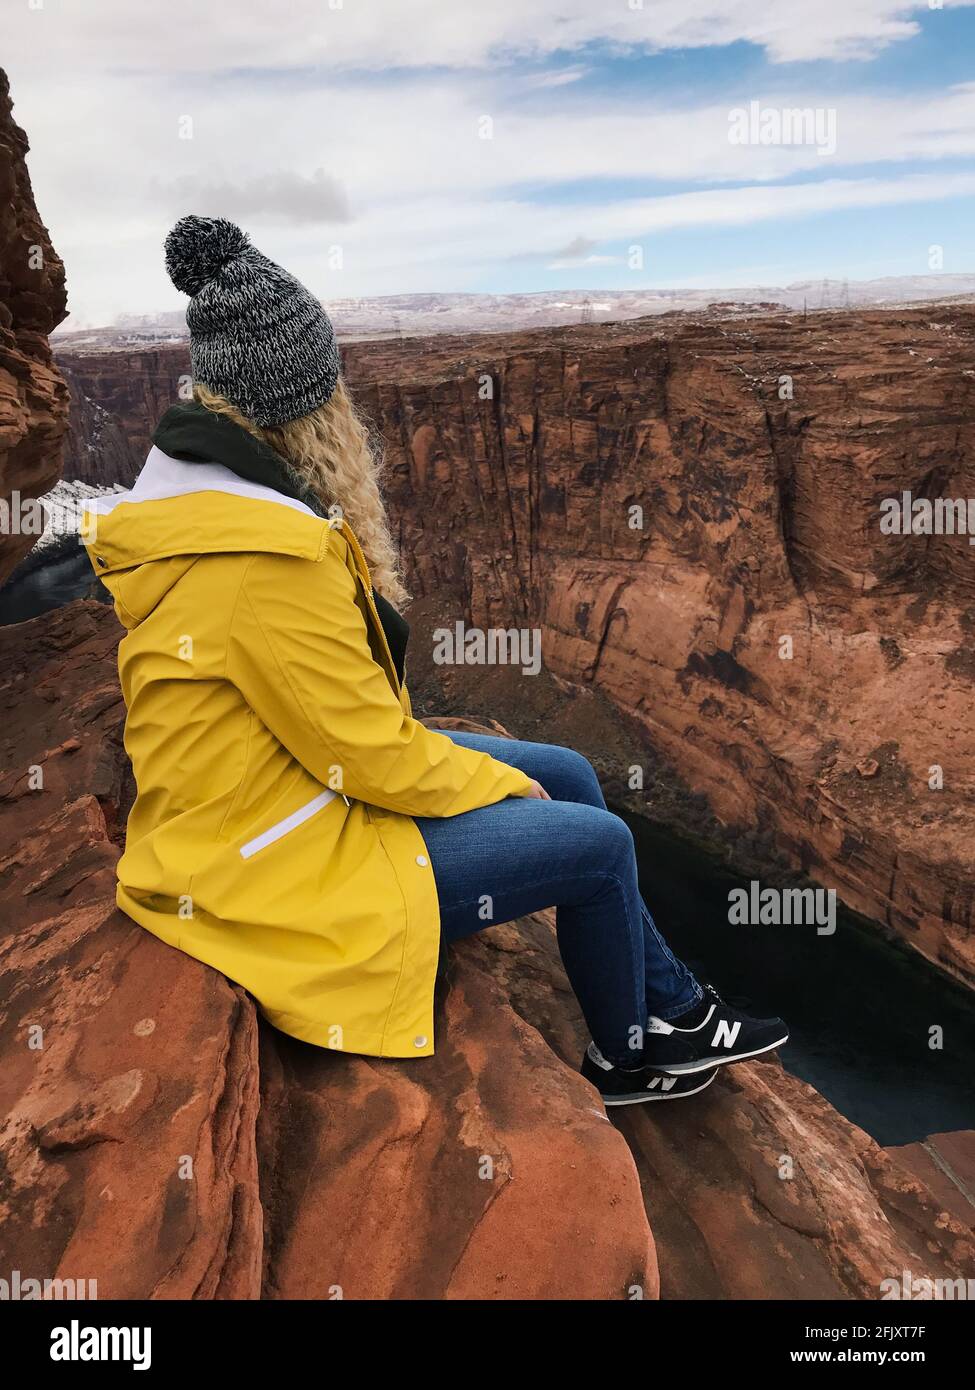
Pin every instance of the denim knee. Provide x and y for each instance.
(620, 838)
(611, 839)
(577, 780)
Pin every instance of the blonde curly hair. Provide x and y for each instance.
(331, 452)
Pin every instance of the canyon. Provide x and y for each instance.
(689, 513)
(160, 1138)
(752, 455)
(664, 502)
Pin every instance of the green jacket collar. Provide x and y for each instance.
(194, 434)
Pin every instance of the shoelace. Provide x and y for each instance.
(737, 1003)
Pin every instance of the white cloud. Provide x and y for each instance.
(520, 229)
(291, 137)
(111, 35)
(280, 196)
(561, 77)
(575, 262)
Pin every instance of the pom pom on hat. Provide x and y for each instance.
(198, 248)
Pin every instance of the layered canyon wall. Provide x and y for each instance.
(116, 398)
(689, 511)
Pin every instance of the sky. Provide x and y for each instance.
(378, 147)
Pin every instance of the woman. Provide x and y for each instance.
(294, 826)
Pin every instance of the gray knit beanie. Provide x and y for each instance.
(257, 336)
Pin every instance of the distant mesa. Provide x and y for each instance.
(416, 315)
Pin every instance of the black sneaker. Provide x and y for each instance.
(635, 1087)
(724, 1035)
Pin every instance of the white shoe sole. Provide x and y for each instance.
(645, 1097)
(706, 1063)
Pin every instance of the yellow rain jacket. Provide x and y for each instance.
(276, 758)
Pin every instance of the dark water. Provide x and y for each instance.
(48, 586)
(859, 1007)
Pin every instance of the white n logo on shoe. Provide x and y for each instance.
(661, 1083)
(726, 1033)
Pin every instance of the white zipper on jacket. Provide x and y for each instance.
(284, 827)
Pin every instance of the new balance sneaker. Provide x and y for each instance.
(714, 1035)
(618, 1087)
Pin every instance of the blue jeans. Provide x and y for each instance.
(520, 856)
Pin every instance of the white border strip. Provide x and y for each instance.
(284, 827)
(163, 477)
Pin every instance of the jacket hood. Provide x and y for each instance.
(213, 489)
(192, 433)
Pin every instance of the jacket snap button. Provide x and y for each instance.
(101, 560)
(420, 1041)
(421, 859)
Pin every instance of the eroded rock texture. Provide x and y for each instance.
(758, 1188)
(33, 396)
(760, 522)
(119, 396)
(158, 1139)
(96, 449)
(515, 464)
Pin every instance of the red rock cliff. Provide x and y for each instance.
(158, 1138)
(33, 396)
(117, 397)
(760, 522)
(97, 450)
(802, 672)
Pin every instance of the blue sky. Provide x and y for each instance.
(348, 138)
(855, 244)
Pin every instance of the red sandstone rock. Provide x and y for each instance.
(133, 1148)
(33, 396)
(491, 1173)
(116, 399)
(161, 1142)
(946, 1164)
(759, 1188)
(760, 522)
(96, 449)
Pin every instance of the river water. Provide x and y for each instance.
(859, 1007)
(49, 586)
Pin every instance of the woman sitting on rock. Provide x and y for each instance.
(295, 826)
